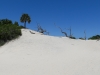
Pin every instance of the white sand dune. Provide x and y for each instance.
(36, 54)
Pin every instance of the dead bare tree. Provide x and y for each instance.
(61, 31)
(70, 32)
(41, 30)
(70, 35)
(32, 32)
(84, 35)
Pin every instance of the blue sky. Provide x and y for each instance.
(79, 14)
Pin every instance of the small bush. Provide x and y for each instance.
(22, 27)
(9, 32)
(81, 38)
(72, 37)
(2, 42)
(96, 37)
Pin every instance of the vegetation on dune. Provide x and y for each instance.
(65, 33)
(72, 37)
(81, 38)
(5, 21)
(41, 30)
(96, 37)
(8, 31)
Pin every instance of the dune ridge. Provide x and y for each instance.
(37, 54)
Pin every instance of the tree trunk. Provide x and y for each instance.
(70, 32)
(85, 35)
(25, 24)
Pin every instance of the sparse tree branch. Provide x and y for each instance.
(41, 30)
(61, 31)
(70, 32)
(84, 35)
(32, 32)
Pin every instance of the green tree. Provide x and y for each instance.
(25, 18)
(5, 21)
(16, 23)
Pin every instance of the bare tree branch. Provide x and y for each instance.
(32, 32)
(41, 30)
(84, 35)
(70, 31)
(61, 30)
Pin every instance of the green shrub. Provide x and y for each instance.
(72, 37)
(94, 37)
(9, 32)
(22, 27)
(2, 42)
(81, 38)
(5, 21)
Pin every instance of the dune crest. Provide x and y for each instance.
(37, 54)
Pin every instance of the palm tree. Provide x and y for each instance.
(25, 18)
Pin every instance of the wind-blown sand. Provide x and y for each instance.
(36, 54)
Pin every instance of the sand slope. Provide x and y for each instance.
(36, 54)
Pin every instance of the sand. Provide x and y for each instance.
(37, 54)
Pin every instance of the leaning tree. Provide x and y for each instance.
(25, 18)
